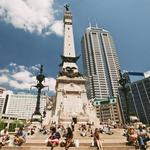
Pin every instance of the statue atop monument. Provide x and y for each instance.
(67, 7)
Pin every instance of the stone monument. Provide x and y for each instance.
(71, 98)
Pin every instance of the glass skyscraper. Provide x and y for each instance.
(100, 64)
(138, 96)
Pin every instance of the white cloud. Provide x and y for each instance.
(35, 68)
(21, 77)
(57, 28)
(21, 67)
(31, 15)
(12, 64)
(51, 82)
(3, 79)
(4, 71)
(147, 74)
(18, 85)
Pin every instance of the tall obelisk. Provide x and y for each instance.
(71, 97)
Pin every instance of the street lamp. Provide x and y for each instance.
(37, 116)
(123, 82)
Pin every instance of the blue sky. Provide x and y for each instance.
(31, 34)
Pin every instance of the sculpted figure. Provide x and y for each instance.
(67, 7)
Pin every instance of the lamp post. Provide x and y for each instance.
(123, 82)
(37, 116)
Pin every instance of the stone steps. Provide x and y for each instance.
(38, 145)
(81, 144)
(109, 142)
(71, 148)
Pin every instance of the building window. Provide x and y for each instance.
(105, 34)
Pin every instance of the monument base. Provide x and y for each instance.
(36, 118)
(68, 119)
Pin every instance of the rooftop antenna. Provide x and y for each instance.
(96, 24)
(89, 23)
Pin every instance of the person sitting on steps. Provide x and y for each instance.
(4, 136)
(97, 140)
(53, 140)
(69, 137)
(132, 136)
(20, 137)
(143, 137)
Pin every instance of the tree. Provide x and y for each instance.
(2, 125)
(15, 124)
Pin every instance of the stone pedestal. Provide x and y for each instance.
(71, 100)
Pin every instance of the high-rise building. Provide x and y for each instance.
(107, 110)
(23, 105)
(2, 99)
(100, 65)
(138, 96)
(4, 95)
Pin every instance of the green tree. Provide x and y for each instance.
(15, 124)
(2, 125)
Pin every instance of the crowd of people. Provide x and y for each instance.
(18, 139)
(87, 130)
(56, 132)
(137, 136)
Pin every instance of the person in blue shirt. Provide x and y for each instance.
(143, 137)
(53, 140)
(20, 137)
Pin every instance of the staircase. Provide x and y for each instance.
(109, 142)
